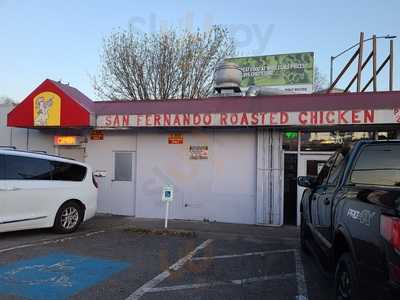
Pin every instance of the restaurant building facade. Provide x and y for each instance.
(230, 159)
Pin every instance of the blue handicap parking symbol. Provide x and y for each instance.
(56, 276)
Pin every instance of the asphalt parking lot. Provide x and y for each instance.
(107, 260)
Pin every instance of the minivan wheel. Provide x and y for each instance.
(68, 218)
(346, 281)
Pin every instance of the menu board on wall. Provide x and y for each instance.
(198, 152)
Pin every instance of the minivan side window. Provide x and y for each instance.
(377, 165)
(67, 171)
(2, 167)
(30, 168)
(27, 168)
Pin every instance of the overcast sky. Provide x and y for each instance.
(63, 39)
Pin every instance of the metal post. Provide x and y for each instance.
(27, 139)
(391, 67)
(166, 215)
(11, 136)
(360, 57)
(374, 62)
(331, 73)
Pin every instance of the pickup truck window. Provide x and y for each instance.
(324, 173)
(337, 169)
(377, 165)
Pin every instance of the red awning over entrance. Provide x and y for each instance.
(52, 104)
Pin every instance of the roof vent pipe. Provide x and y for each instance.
(227, 78)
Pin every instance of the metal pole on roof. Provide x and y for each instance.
(391, 66)
(360, 58)
(374, 62)
(387, 36)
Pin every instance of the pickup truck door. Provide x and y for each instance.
(320, 199)
(323, 202)
(309, 165)
(324, 198)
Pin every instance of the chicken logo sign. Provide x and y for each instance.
(46, 109)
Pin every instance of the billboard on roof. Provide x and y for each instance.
(289, 72)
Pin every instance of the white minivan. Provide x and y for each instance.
(39, 190)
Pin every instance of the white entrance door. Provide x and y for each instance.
(116, 192)
(309, 164)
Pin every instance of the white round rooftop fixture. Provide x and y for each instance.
(227, 78)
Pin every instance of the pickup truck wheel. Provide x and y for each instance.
(303, 235)
(346, 281)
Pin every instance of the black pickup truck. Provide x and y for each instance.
(350, 219)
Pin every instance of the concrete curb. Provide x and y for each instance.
(164, 232)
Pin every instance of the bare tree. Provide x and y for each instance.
(320, 81)
(161, 65)
(6, 100)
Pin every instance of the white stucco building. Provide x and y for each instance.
(230, 159)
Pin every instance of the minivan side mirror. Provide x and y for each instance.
(306, 181)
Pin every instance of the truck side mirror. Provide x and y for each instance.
(306, 181)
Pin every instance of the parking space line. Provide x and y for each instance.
(164, 275)
(219, 283)
(243, 254)
(300, 277)
(46, 242)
